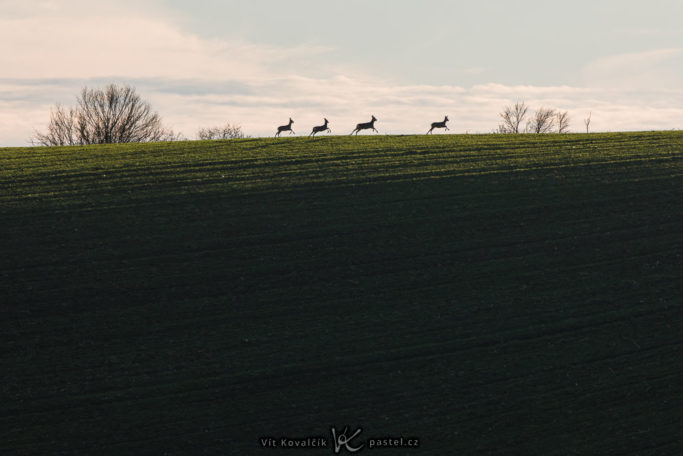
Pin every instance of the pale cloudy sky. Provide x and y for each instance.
(258, 62)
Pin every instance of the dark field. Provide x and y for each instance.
(490, 294)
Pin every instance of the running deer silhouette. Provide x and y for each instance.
(320, 128)
(365, 126)
(287, 127)
(438, 125)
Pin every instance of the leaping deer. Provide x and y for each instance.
(320, 128)
(287, 127)
(439, 125)
(365, 126)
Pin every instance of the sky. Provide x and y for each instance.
(256, 63)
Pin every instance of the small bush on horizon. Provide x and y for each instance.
(227, 131)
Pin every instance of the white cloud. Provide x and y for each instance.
(409, 109)
(259, 106)
(656, 68)
(84, 40)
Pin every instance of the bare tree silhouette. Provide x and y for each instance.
(287, 127)
(543, 121)
(439, 125)
(62, 129)
(563, 122)
(320, 128)
(365, 126)
(513, 116)
(226, 132)
(587, 121)
(111, 115)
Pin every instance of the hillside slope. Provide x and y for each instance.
(486, 294)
